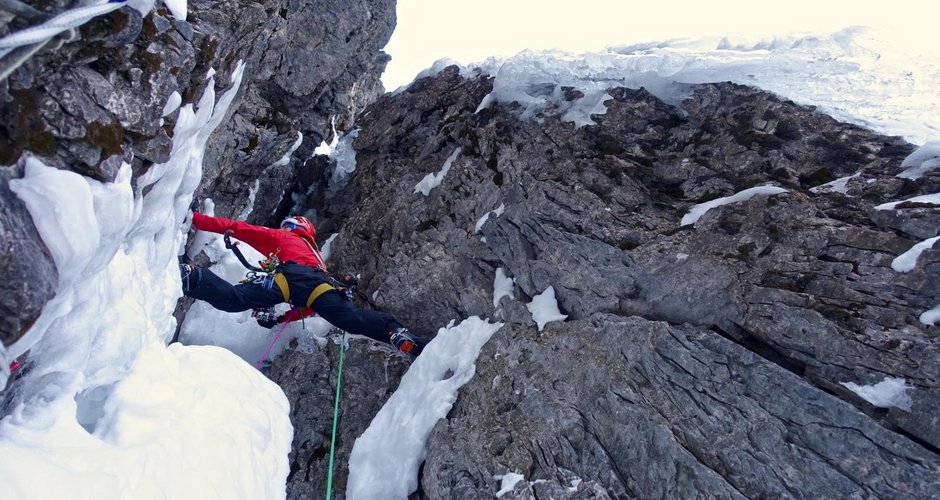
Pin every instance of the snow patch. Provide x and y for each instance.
(838, 185)
(325, 149)
(931, 317)
(172, 103)
(508, 482)
(698, 210)
(889, 393)
(921, 161)
(107, 402)
(544, 308)
(344, 161)
(502, 286)
(908, 260)
(933, 199)
(384, 461)
(433, 180)
(495, 212)
(177, 8)
(328, 247)
(284, 160)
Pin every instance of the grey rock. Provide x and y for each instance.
(370, 375)
(96, 101)
(306, 64)
(651, 410)
(30, 275)
(802, 279)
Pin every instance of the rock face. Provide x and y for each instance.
(370, 375)
(31, 276)
(709, 357)
(94, 98)
(652, 410)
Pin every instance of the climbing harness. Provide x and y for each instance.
(41, 34)
(272, 272)
(339, 381)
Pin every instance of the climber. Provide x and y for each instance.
(299, 279)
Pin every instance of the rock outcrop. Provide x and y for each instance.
(710, 356)
(95, 98)
(370, 375)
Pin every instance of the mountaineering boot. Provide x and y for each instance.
(406, 342)
(189, 274)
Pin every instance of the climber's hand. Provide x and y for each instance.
(348, 280)
(268, 321)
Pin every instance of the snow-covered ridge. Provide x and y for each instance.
(892, 92)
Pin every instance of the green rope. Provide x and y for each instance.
(339, 380)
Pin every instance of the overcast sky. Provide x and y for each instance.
(469, 32)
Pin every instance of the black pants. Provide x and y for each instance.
(332, 306)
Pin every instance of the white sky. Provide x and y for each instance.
(469, 32)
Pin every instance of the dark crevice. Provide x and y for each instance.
(919, 440)
(762, 348)
(701, 459)
(767, 351)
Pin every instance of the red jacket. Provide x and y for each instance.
(294, 245)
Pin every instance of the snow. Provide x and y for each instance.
(325, 149)
(852, 74)
(889, 393)
(172, 103)
(924, 159)
(71, 200)
(908, 260)
(838, 185)
(384, 461)
(327, 249)
(433, 180)
(931, 317)
(699, 210)
(502, 286)
(250, 204)
(495, 212)
(508, 482)
(177, 8)
(435, 68)
(927, 198)
(284, 160)
(544, 308)
(344, 157)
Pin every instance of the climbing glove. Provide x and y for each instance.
(268, 321)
